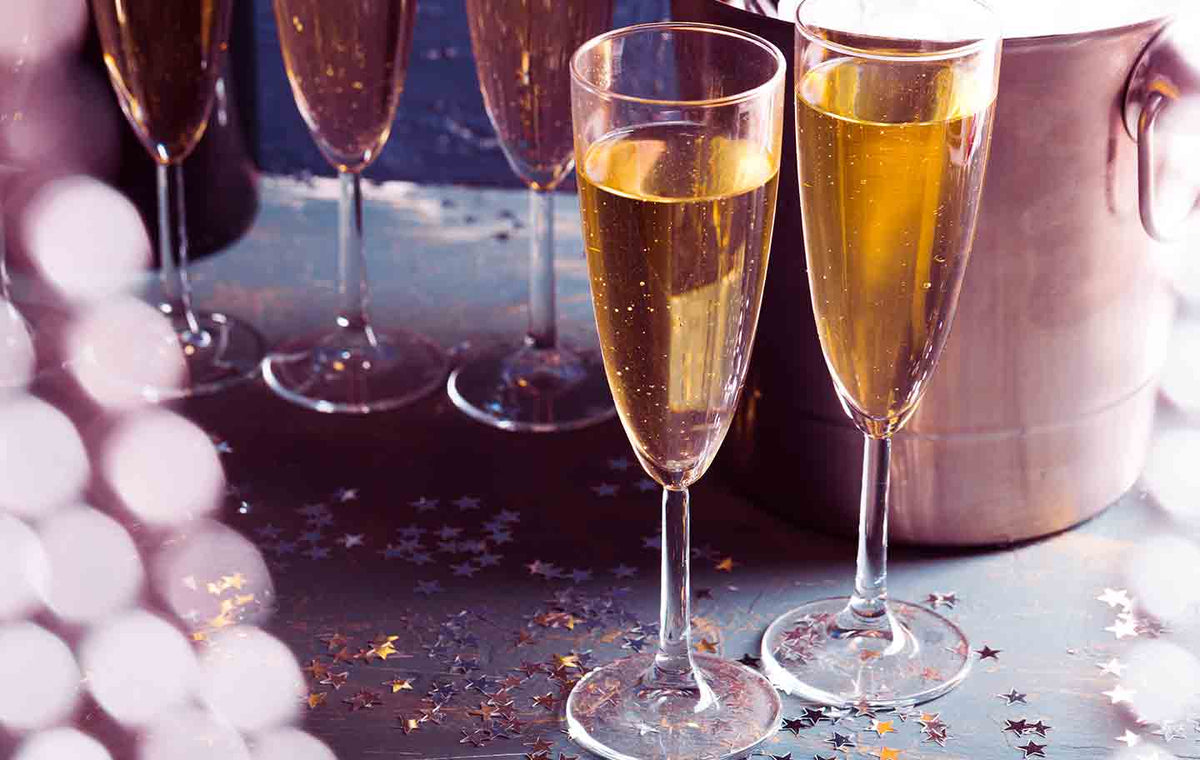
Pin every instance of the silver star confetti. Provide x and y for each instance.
(1013, 697)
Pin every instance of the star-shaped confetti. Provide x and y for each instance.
(1018, 727)
(726, 565)
(316, 699)
(948, 599)
(1119, 694)
(936, 735)
(350, 540)
(750, 661)
(885, 753)
(467, 503)
(1040, 728)
(795, 725)
(363, 700)
(862, 709)
(881, 727)
(268, 531)
(546, 700)
(624, 571)
(344, 495)
(1125, 627)
(987, 653)
(605, 489)
(840, 741)
(1129, 738)
(317, 552)
(646, 484)
(408, 723)
(464, 570)
(1033, 749)
(423, 504)
(336, 680)
(539, 745)
(706, 646)
(1113, 667)
(1114, 597)
(1013, 697)
(428, 588)
(316, 669)
(399, 684)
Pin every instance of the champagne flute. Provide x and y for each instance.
(677, 133)
(163, 58)
(894, 103)
(522, 50)
(346, 61)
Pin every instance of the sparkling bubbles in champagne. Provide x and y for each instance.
(346, 62)
(163, 59)
(892, 161)
(678, 224)
(522, 52)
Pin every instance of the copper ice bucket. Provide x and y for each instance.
(1040, 411)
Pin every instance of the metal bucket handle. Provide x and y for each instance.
(1163, 75)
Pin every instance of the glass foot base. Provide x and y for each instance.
(812, 653)
(223, 353)
(533, 390)
(346, 372)
(610, 714)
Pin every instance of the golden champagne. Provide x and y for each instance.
(677, 224)
(346, 60)
(892, 159)
(522, 55)
(163, 57)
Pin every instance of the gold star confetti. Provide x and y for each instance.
(566, 661)
(408, 724)
(384, 650)
(399, 684)
(881, 727)
(726, 565)
(316, 669)
(886, 753)
(317, 699)
(706, 646)
(546, 700)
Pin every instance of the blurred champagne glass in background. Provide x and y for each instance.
(522, 54)
(164, 57)
(346, 61)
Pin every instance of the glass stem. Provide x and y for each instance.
(173, 254)
(543, 330)
(353, 294)
(869, 602)
(673, 669)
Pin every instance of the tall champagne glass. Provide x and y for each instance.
(894, 102)
(522, 51)
(346, 61)
(164, 57)
(677, 133)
